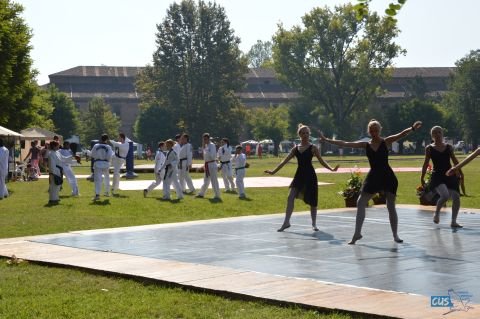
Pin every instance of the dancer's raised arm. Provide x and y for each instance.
(392, 138)
(465, 161)
(282, 163)
(316, 152)
(343, 143)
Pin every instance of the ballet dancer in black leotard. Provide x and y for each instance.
(380, 178)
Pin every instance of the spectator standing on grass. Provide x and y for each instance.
(3, 170)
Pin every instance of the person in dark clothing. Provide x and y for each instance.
(380, 178)
(304, 184)
(446, 186)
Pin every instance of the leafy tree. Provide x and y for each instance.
(65, 115)
(260, 55)
(336, 61)
(464, 96)
(361, 8)
(270, 123)
(98, 120)
(196, 69)
(21, 103)
(405, 113)
(154, 124)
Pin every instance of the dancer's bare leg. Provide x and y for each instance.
(313, 214)
(289, 210)
(444, 194)
(361, 206)
(455, 208)
(392, 215)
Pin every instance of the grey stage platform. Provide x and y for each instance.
(432, 260)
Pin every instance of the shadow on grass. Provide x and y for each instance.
(215, 200)
(104, 202)
(245, 199)
(120, 196)
(51, 204)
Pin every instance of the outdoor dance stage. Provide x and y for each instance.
(247, 257)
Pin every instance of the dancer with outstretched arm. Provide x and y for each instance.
(380, 178)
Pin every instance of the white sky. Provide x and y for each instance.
(70, 33)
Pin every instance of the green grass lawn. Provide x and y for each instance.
(34, 291)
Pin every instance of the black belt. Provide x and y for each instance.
(237, 168)
(221, 163)
(180, 164)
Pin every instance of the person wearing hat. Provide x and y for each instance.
(210, 175)
(171, 172)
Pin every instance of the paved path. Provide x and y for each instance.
(267, 181)
(246, 256)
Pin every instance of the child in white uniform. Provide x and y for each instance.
(101, 155)
(159, 172)
(171, 171)
(239, 161)
(224, 156)
(209, 155)
(184, 164)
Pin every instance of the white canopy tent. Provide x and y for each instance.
(10, 137)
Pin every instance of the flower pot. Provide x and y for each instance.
(379, 199)
(351, 201)
(428, 199)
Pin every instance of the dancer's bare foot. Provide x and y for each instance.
(397, 239)
(436, 218)
(354, 239)
(455, 225)
(314, 228)
(284, 226)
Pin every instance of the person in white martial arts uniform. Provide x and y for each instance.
(101, 155)
(158, 170)
(3, 170)
(120, 150)
(184, 164)
(240, 162)
(67, 168)
(56, 163)
(209, 156)
(171, 172)
(224, 156)
(178, 144)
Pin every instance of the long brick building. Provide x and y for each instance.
(116, 85)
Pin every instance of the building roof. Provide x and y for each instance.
(132, 71)
(101, 71)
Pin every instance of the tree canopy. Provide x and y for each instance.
(464, 96)
(65, 115)
(97, 120)
(335, 61)
(17, 78)
(260, 54)
(197, 67)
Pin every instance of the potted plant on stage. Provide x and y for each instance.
(352, 188)
(425, 194)
(379, 199)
